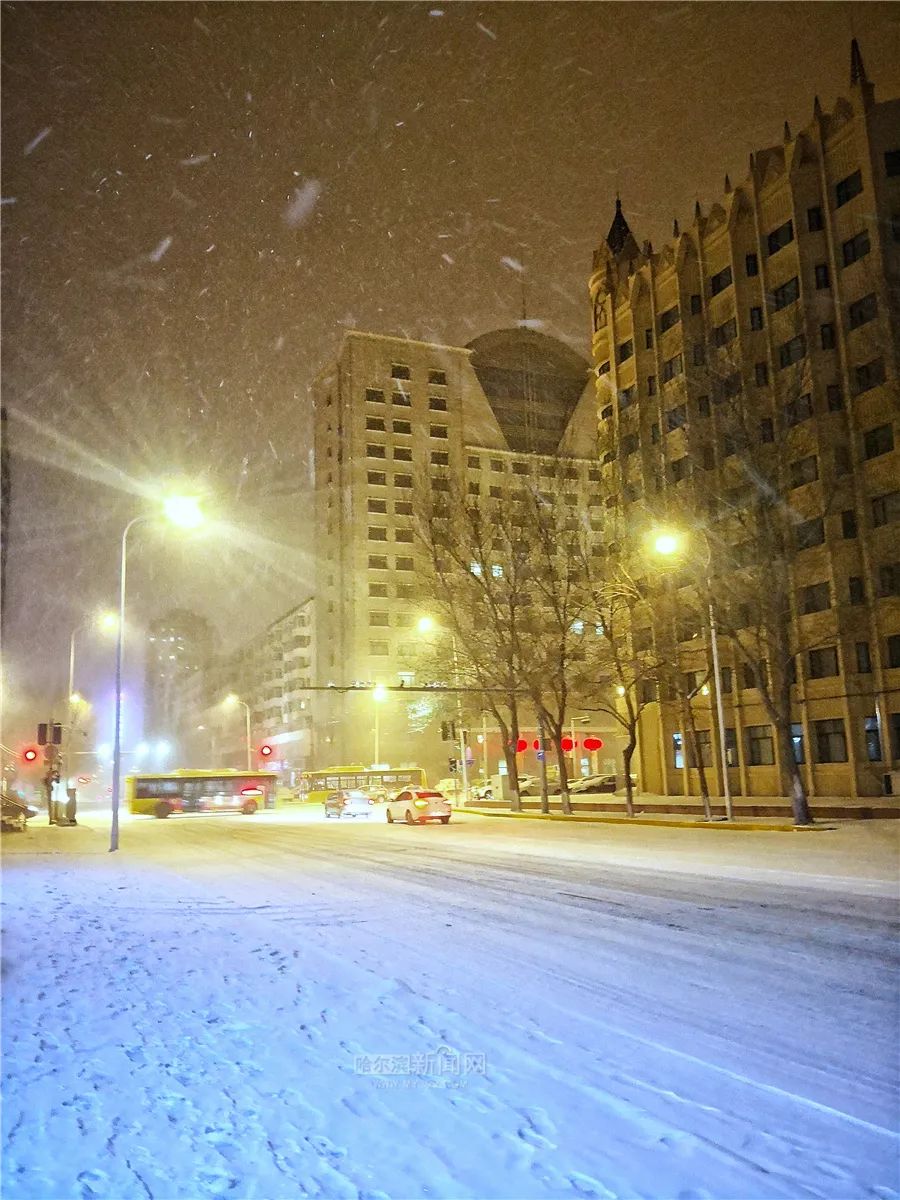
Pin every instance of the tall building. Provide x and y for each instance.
(791, 284)
(179, 646)
(393, 416)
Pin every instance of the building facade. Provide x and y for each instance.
(785, 294)
(179, 649)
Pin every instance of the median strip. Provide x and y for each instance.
(747, 825)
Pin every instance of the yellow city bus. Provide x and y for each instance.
(201, 791)
(377, 783)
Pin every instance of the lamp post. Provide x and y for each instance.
(668, 544)
(379, 694)
(106, 621)
(183, 511)
(230, 701)
(425, 625)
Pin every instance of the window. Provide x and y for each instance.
(696, 304)
(719, 282)
(804, 470)
(474, 461)
(785, 295)
(607, 413)
(667, 319)
(379, 649)
(846, 189)
(699, 354)
(376, 477)
(760, 750)
(893, 651)
(403, 481)
(402, 427)
(797, 746)
(651, 385)
(815, 598)
(437, 431)
(703, 406)
(879, 441)
(798, 409)
(676, 418)
(863, 659)
(626, 396)
(496, 464)
(399, 371)
(885, 509)
(889, 579)
(374, 396)
(403, 535)
(521, 468)
(791, 351)
(780, 237)
(672, 367)
(403, 454)
(708, 458)
(377, 506)
(403, 564)
(378, 562)
(373, 451)
(677, 751)
(378, 589)
(831, 744)
(401, 399)
(440, 485)
(496, 571)
(624, 351)
(628, 445)
(849, 527)
(405, 591)
(474, 489)
(761, 374)
(440, 458)
(377, 534)
(723, 334)
(872, 735)
(835, 397)
(823, 662)
(860, 312)
(752, 264)
(437, 403)
(823, 277)
(855, 248)
(680, 469)
(403, 508)
(756, 317)
(603, 369)
(703, 739)
(814, 219)
(826, 336)
(767, 430)
(892, 163)
(379, 618)
(654, 433)
(648, 339)
(810, 533)
(437, 378)
(867, 376)
(496, 492)
(856, 590)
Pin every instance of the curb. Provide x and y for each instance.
(666, 822)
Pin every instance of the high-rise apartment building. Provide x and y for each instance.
(179, 647)
(785, 295)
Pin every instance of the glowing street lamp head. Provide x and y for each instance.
(425, 624)
(379, 692)
(183, 511)
(75, 699)
(230, 700)
(163, 748)
(666, 543)
(108, 622)
(141, 749)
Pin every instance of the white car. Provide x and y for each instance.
(348, 804)
(415, 806)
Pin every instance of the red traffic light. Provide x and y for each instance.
(29, 754)
(593, 743)
(265, 751)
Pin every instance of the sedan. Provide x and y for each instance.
(415, 806)
(348, 804)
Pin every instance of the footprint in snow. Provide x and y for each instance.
(93, 1183)
(215, 1183)
(584, 1185)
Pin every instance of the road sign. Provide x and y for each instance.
(541, 755)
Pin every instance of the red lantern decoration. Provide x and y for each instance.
(593, 743)
(567, 744)
(521, 746)
(536, 745)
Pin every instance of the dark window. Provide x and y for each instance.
(404, 508)
(402, 427)
(842, 463)
(648, 339)
(873, 738)
(375, 423)
(892, 163)
(826, 334)
(403, 535)
(521, 468)
(626, 396)
(720, 281)
(804, 470)
(752, 264)
(810, 533)
(699, 354)
(607, 413)
(379, 618)
(814, 219)
(374, 395)
(799, 409)
(398, 371)
(651, 385)
(856, 589)
(496, 492)
(863, 659)
(893, 650)
(823, 276)
(378, 589)
(378, 562)
(725, 333)
(780, 237)
(831, 743)
(401, 399)
(868, 375)
(855, 248)
(889, 579)
(879, 441)
(676, 417)
(603, 369)
(666, 320)
(403, 481)
(440, 458)
(835, 397)
(756, 317)
(437, 431)
(703, 406)
(791, 351)
(654, 433)
(787, 294)
(377, 534)
(823, 662)
(708, 458)
(696, 304)
(377, 506)
(704, 747)
(672, 367)
(767, 430)
(760, 750)
(474, 461)
(727, 680)
(403, 454)
(815, 598)
(761, 372)
(404, 564)
(373, 451)
(376, 477)
(628, 445)
(846, 189)
(437, 403)
(438, 378)
(625, 351)
(848, 523)
(860, 312)
(885, 509)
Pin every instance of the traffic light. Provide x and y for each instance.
(453, 764)
(30, 755)
(49, 734)
(265, 751)
(445, 731)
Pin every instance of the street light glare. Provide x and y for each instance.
(183, 511)
(75, 699)
(379, 692)
(108, 622)
(425, 624)
(666, 543)
(230, 700)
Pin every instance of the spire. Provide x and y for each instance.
(676, 232)
(727, 184)
(620, 238)
(857, 67)
(697, 210)
(817, 107)
(787, 132)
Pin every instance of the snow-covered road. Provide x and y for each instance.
(275, 1007)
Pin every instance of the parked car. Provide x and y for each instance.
(415, 806)
(529, 785)
(348, 804)
(599, 784)
(16, 812)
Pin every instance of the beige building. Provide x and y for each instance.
(793, 279)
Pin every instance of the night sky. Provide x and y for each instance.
(199, 199)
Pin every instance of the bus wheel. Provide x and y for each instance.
(249, 808)
(390, 817)
(163, 809)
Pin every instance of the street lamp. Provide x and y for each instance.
(185, 512)
(668, 544)
(231, 701)
(426, 625)
(106, 622)
(379, 695)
